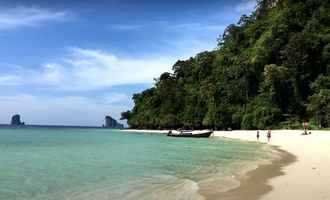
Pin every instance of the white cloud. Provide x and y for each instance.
(116, 98)
(89, 69)
(183, 27)
(21, 16)
(246, 6)
(66, 110)
(9, 80)
(126, 27)
(169, 26)
(86, 69)
(52, 73)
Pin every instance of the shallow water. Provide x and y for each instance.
(100, 164)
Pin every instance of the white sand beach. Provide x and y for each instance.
(308, 178)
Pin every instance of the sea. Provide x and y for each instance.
(104, 164)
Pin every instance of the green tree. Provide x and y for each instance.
(269, 69)
(319, 104)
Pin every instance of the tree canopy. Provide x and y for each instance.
(270, 69)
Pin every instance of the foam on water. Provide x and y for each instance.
(85, 164)
(160, 187)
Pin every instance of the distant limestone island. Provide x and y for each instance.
(16, 121)
(110, 123)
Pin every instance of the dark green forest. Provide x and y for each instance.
(270, 70)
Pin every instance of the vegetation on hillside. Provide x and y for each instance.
(271, 69)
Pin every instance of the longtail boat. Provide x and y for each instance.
(193, 134)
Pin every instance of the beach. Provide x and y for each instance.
(301, 172)
(308, 177)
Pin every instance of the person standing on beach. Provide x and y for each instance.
(305, 125)
(258, 135)
(269, 134)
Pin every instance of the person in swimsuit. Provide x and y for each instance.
(258, 135)
(269, 134)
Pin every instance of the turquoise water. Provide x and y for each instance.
(99, 164)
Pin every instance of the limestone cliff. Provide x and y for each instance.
(16, 120)
(112, 123)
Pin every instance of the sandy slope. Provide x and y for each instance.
(306, 179)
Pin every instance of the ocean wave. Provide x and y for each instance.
(162, 187)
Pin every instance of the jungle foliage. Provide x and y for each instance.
(271, 69)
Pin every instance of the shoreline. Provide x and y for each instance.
(300, 172)
(254, 183)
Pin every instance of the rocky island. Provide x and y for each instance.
(16, 120)
(112, 123)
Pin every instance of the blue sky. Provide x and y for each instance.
(72, 62)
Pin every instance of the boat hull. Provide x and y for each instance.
(190, 135)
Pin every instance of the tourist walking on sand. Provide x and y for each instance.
(305, 125)
(258, 135)
(269, 134)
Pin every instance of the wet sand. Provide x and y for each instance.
(254, 184)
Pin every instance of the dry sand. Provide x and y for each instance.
(308, 178)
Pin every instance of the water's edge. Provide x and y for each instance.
(250, 183)
(254, 184)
